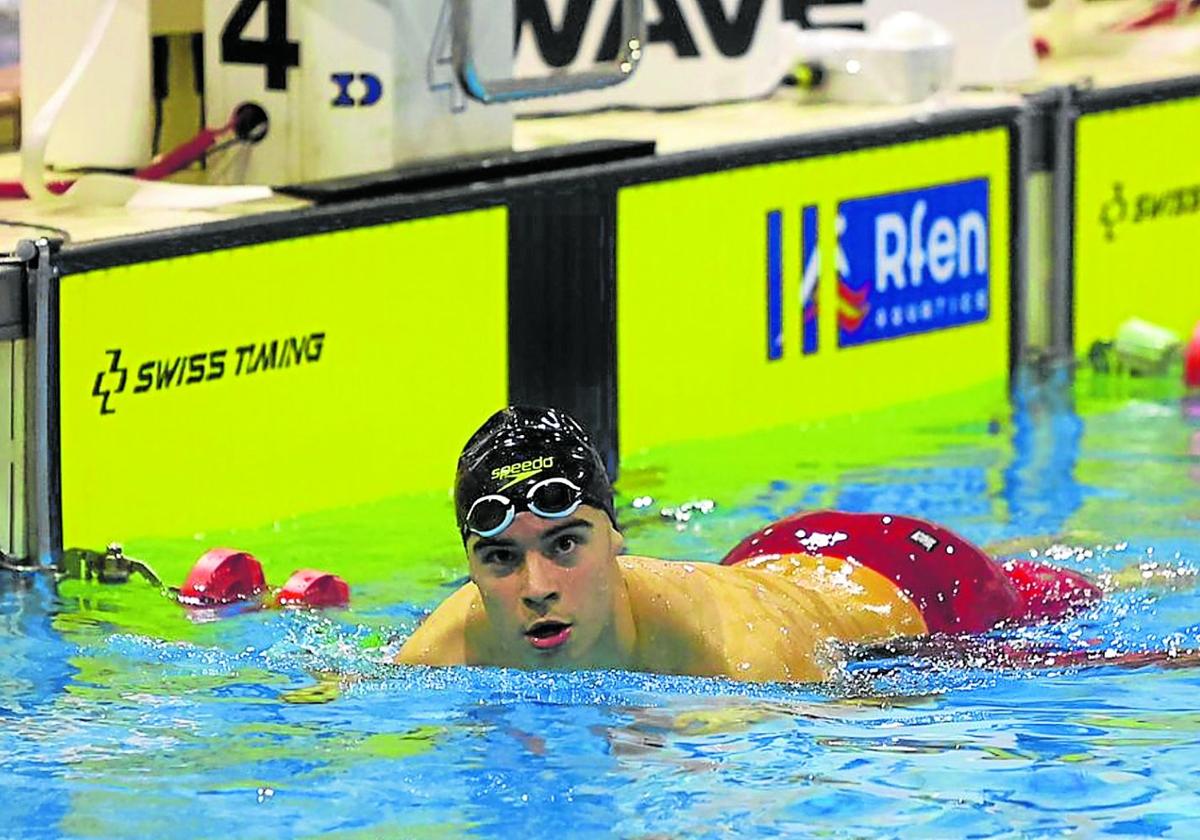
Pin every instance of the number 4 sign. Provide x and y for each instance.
(274, 52)
(349, 87)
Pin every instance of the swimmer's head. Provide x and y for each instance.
(528, 459)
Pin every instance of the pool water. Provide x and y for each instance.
(122, 717)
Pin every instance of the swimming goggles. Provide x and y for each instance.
(553, 498)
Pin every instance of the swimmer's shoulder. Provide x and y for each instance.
(443, 638)
(731, 620)
(676, 611)
(652, 578)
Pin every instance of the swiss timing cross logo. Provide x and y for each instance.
(1114, 211)
(167, 373)
(110, 381)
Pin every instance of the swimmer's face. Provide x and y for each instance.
(549, 588)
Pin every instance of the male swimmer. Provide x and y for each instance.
(550, 589)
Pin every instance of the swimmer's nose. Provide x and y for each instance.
(540, 603)
(540, 591)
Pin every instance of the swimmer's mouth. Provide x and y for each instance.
(547, 635)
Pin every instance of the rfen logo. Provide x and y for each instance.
(913, 262)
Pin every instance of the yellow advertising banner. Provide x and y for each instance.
(1137, 220)
(789, 292)
(244, 386)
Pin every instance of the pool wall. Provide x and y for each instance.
(662, 299)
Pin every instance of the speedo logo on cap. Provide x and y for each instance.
(522, 470)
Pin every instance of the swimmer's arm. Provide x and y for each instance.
(441, 639)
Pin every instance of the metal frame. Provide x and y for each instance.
(14, 317)
(43, 493)
(12, 450)
(1022, 148)
(1035, 344)
(495, 91)
(1093, 101)
(13, 308)
(1062, 295)
(1058, 138)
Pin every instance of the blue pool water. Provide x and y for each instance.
(269, 724)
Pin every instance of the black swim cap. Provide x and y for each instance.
(519, 448)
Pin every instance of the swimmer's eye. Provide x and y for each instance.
(499, 557)
(565, 543)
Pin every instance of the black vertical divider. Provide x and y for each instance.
(562, 306)
(1018, 252)
(1064, 221)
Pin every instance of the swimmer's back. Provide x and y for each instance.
(766, 619)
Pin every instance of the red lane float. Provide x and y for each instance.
(1191, 361)
(223, 576)
(313, 588)
(229, 576)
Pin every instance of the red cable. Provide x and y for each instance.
(181, 156)
(14, 189)
(1162, 12)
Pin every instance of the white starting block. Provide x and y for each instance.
(109, 121)
(347, 86)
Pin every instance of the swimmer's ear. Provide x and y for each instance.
(618, 539)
